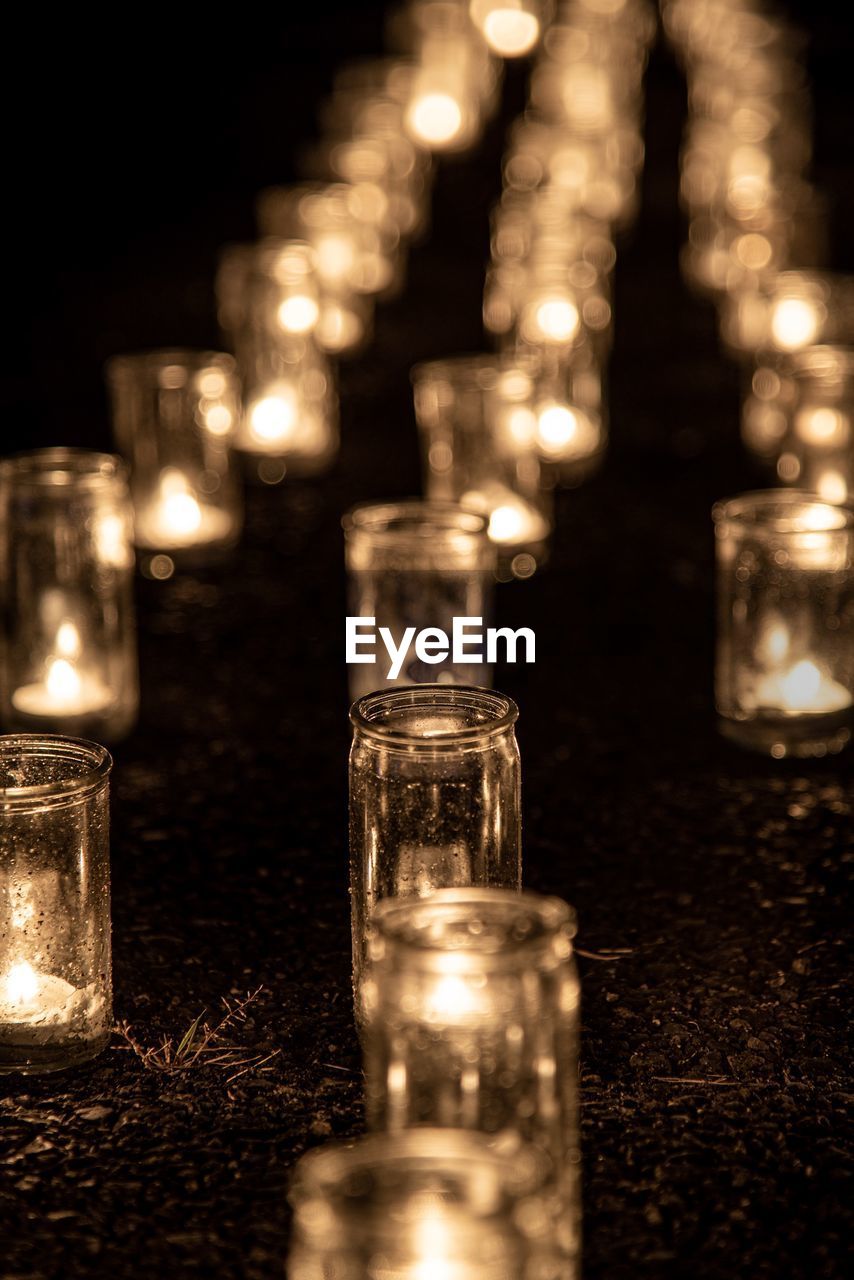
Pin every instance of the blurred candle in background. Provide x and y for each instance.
(175, 415)
(785, 662)
(69, 661)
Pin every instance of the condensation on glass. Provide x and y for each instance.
(55, 983)
(434, 797)
(418, 565)
(785, 655)
(423, 1205)
(69, 662)
(175, 414)
(470, 1015)
(478, 434)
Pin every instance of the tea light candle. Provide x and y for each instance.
(31, 998)
(512, 521)
(176, 518)
(65, 690)
(803, 689)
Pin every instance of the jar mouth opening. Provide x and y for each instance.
(467, 1167)
(430, 717)
(480, 924)
(414, 520)
(188, 360)
(479, 371)
(827, 360)
(61, 468)
(784, 511)
(40, 770)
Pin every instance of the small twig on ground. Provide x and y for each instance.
(203, 1044)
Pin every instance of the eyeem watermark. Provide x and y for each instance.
(467, 643)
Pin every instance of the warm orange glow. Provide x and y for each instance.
(274, 416)
(298, 314)
(508, 29)
(794, 323)
(822, 426)
(554, 319)
(435, 119)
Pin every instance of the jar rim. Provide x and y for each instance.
(61, 466)
(774, 509)
(394, 920)
(416, 516)
(81, 751)
(501, 712)
(474, 366)
(421, 1151)
(132, 363)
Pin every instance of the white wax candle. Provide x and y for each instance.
(65, 691)
(802, 689)
(177, 518)
(34, 999)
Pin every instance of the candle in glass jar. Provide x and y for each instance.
(66, 690)
(176, 517)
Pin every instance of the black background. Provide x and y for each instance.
(714, 1056)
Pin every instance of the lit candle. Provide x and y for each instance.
(29, 998)
(564, 433)
(512, 520)
(176, 518)
(802, 689)
(65, 689)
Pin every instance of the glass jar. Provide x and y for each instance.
(434, 797)
(424, 1205)
(174, 418)
(470, 1009)
(66, 582)
(785, 658)
(476, 420)
(789, 312)
(418, 564)
(55, 984)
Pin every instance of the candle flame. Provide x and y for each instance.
(68, 641)
(298, 314)
(557, 425)
(181, 513)
(274, 416)
(22, 984)
(510, 32)
(557, 319)
(452, 998)
(63, 682)
(435, 118)
(794, 324)
(800, 686)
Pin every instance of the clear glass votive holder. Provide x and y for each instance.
(476, 420)
(422, 1205)
(817, 451)
(69, 659)
(470, 1015)
(785, 656)
(434, 797)
(418, 564)
(175, 414)
(55, 983)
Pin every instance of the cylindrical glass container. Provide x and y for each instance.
(418, 565)
(470, 1009)
(55, 983)
(475, 415)
(174, 417)
(817, 451)
(790, 312)
(69, 662)
(785, 658)
(434, 797)
(423, 1205)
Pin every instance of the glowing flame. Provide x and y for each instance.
(800, 686)
(832, 486)
(506, 524)
(822, 426)
(557, 426)
(794, 324)
(557, 319)
(335, 256)
(218, 419)
(452, 999)
(774, 644)
(273, 418)
(180, 513)
(68, 641)
(63, 682)
(435, 118)
(22, 984)
(510, 32)
(298, 314)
